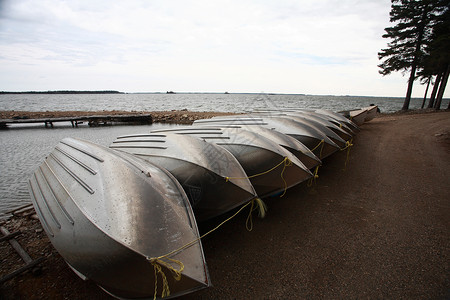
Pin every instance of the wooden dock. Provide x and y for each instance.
(94, 120)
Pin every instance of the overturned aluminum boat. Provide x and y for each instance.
(317, 120)
(321, 145)
(108, 214)
(256, 154)
(289, 143)
(341, 130)
(371, 112)
(358, 116)
(338, 117)
(332, 131)
(341, 124)
(201, 169)
(316, 116)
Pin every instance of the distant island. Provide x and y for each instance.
(64, 92)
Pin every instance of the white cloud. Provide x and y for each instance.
(318, 47)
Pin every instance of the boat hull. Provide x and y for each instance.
(307, 135)
(340, 118)
(289, 143)
(270, 167)
(200, 168)
(106, 213)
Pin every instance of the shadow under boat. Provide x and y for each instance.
(108, 212)
(270, 167)
(201, 169)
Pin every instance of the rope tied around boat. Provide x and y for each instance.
(321, 143)
(314, 177)
(261, 212)
(157, 262)
(286, 162)
(348, 146)
(165, 261)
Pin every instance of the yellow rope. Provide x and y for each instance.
(249, 219)
(348, 146)
(262, 213)
(166, 291)
(321, 143)
(286, 161)
(157, 262)
(315, 176)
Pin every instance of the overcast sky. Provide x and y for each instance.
(278, 46)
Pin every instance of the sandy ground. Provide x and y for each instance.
(380, 228)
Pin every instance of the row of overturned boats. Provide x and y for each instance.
(126, 216)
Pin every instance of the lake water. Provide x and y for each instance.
(193, 102)
(23, 148)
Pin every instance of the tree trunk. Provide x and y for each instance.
(435, 89)
(426, 91)
(419, 42)
(410, 86)
(442, 88)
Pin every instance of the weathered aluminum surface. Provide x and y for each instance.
(342, 129)
(341, 124)
(339, 117)
(291, 144)
(307, 135)
(358, 116)
(200, 167)
(371, 112)
(322, 121)
(107, 212)
(314, 115)
(310, 123)
(256, 154)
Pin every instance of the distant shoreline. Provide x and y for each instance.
(188, 93)
(62, 92)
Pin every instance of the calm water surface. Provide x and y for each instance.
(23, 149)
(194, 102)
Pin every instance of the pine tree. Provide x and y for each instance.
(439, 56)
(410, 37)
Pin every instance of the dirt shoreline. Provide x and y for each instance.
(174, 116)
(378, 229)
